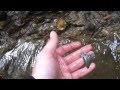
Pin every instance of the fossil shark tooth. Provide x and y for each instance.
(87, 58)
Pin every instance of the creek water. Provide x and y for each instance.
(22, 39)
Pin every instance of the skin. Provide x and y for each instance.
(52, 64)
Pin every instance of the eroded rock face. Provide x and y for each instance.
(24, 34)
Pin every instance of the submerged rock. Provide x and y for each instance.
(89, 26)
(61, 24)
(1, 77)
(18, 17)
(3, 16)
(2, 24)
(118, 49)
(105, 32)
(6, 43)
(17, 63)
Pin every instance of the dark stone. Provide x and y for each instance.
(3, 16)
(89, 26)
(18, 17)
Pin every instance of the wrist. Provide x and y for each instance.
(43, 76)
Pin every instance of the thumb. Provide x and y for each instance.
(52, 44)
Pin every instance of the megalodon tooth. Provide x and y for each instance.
(87, 58)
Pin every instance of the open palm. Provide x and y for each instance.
(51, 62)
(70, 65)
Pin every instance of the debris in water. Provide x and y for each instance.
(107, 17)
(2, 24)
(118, 49)
(61, 24)
(1, 77)
(105, 32)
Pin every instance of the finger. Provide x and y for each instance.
(52, 43)
(64, 69)
(82, 72)
(77, 64)
(76, 55)
(68, 47)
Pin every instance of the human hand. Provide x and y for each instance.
(52, 64)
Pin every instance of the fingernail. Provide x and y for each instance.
(92, 65)
(77, 44)
(82, 49)
(90, 44)
(51, 34)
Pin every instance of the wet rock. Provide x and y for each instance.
(1, 77)
(6, 43)
(76, 18)
(95, 19)
(3, 15)
(30, 29)
(2, 24)
(64, 41)
(89, 26)
(72, 16)
(17, 62)
(71, 33)
(18, 17)
(46, 27)
(113, 44)
(15, 20)
(81, 18)
(105, 32)
(115, 17)
(118, 49)
(105, 15)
